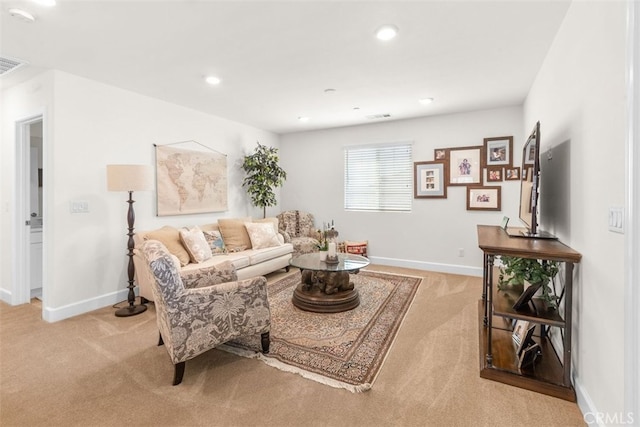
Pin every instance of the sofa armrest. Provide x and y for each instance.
(208, 276)
(286, 236)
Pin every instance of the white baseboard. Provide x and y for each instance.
(429, 266)
(586, 405)
(5, 296)
(60, 313)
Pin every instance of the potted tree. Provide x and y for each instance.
(515, 271)
(263, 176)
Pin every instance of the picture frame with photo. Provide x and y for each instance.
(522, 335)
(530, 155)
(494, 174)
(498, 151)
(465, 165)
(430, 179)
(529, 355)
(486, 198)
(512, 173)
(440, 154)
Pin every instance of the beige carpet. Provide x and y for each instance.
(100, 370)
(342, 350)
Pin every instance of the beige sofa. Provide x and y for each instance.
(250, 255)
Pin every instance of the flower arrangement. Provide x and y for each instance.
(327, 234)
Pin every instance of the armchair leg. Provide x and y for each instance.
(265, 341)
(160, 341)
(287, 268)
(178, 373)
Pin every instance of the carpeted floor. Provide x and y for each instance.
(100, 370)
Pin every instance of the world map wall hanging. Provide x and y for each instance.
(189, 181)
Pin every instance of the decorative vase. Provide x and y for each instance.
(323, 255)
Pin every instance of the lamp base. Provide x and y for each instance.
(131, 310)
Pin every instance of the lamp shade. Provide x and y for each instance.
(129, 178)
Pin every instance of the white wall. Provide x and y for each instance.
(430, 235)
(93, 125)
(579, 96)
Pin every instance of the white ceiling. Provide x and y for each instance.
(276, 59)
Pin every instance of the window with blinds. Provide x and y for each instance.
(378, 177)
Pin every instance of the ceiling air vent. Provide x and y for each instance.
(7, 65)
(377, 116)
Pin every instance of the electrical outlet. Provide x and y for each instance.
(460, 252)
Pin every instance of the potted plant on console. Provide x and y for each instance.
(538, 273)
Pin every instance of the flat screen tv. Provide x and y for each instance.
(530, 186)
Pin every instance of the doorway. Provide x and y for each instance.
(30, 140)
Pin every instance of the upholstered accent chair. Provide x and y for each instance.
(298, 228)
(199, 310)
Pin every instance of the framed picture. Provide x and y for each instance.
(498, 151)
(519, 331)
(494, 174)
(483, 198)
(530, 155)
(441, 154)
(465, 165)
(430, 179)
(525, 296)
(512, 174)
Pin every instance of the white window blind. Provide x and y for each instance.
(378, 177)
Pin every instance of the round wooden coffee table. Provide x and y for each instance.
(324, 287)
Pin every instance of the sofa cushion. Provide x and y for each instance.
(170, 237)
(256, 256)
(195, 243)
(234, 233)
(262, 235)
(216, 244)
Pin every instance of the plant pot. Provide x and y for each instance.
(323, 255)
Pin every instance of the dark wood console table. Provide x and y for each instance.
(498, 361)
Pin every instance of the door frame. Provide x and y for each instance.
(632, 220)
(21, 293)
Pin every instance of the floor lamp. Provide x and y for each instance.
(130, 178)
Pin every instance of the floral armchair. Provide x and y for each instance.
(298, 228)
(197, 311)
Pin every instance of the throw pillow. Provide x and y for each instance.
(269, 220)
(234, 233)
(357, 248)
(170, 237)
(194, 241)
(216, 244)
(262, 235)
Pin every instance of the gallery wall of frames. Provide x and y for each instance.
(481, 169)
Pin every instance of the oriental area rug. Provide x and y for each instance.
(343, 350)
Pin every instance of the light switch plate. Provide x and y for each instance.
(79, 206)
(616, 219)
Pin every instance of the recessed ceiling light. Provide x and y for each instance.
(21, 14)
(213, 80)
(425, 101)
(386, 32)
(303, 119)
